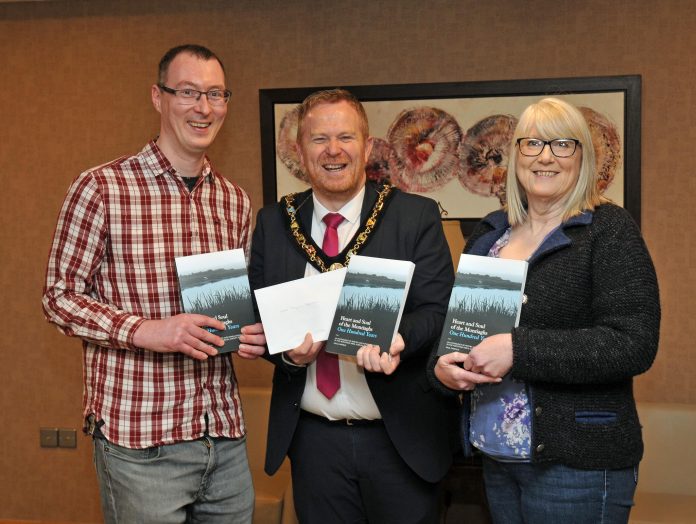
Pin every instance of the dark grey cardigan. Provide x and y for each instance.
(590, 324)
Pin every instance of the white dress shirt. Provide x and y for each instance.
(353, 399)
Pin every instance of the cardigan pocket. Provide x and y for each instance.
(595, 417)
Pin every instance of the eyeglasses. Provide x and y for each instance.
(216, 97)
(560, 147)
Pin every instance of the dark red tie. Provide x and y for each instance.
(328, 376)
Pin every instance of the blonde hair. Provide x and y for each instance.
(554, 118)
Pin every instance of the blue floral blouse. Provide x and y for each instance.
(500, 413)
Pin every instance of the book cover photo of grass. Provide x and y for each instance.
(216, 284)
(371, 303)
(486, 300)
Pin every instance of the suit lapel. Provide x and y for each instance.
(368, 201)
(297, 263)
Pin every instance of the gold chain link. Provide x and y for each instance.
(311, 251)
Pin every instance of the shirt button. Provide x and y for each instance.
(540, 448)
(524, 298)
(538, 411)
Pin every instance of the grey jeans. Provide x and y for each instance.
(205, 480)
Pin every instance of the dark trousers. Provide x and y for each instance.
(353, 474)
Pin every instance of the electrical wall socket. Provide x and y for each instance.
(58, 437)
(48, 437)
(67, 438)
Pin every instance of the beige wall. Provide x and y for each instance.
(75, 93)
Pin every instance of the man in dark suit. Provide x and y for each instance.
(368, 439)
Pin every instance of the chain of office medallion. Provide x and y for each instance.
(362, 237)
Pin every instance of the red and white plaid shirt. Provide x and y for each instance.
(111, 267)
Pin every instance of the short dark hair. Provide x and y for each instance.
(332, 96)
(193, 49)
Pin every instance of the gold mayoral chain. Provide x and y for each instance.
(312, 251)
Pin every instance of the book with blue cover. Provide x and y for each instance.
(370, 305)
(486, 300)
(216, 284)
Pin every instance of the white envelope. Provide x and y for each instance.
(292, 309)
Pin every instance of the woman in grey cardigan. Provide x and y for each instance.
(551, 405)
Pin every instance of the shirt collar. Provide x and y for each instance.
(499, 223)
(498, 220)
(350, 210)
(160, 164)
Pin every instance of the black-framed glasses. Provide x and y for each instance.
(216, 97)
(560, 147)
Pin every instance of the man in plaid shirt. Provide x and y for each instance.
(162, 406)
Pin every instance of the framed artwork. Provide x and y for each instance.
(451, 141)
